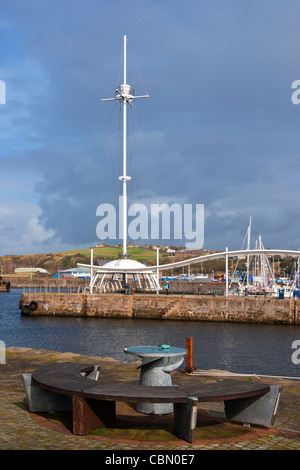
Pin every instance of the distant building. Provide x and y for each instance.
(31, 270)
(74, 273)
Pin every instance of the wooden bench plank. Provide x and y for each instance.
(138, 394)
(222, 390)
(94, 401)
(66, 378)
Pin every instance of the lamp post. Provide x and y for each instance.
(157, 265)
(226, 272)
(91, 279)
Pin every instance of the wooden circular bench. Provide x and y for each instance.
(72, 386)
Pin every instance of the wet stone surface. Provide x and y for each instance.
(20, 429)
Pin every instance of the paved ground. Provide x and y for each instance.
(21, 430)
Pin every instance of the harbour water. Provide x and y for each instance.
(239, 348)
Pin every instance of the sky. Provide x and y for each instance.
(219, 128)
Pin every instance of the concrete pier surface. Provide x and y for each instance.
(22, 430)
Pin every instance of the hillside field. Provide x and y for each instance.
(53, 262)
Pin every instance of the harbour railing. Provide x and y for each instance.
(72, 289)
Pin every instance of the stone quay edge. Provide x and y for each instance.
(264, 310)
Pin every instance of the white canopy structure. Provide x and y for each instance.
(114, 275)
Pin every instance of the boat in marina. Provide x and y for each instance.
(281, 291)
(260, 277)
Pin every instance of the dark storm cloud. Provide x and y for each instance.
(219, 127)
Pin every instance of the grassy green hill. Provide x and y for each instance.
(53, 262)
(69, 259)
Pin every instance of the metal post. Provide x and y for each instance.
(157, 270)
(124, 166)
(248, 257)
(189, 355)
(226, 272)
(91, 280)
(124, 94)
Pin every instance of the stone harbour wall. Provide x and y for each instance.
(164, 307)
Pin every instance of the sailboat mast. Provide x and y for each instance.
(248, 248)
(124, 159)
(125, 94)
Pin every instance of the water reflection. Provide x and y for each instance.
(260, 349)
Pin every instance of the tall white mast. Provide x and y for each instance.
(126, 94)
